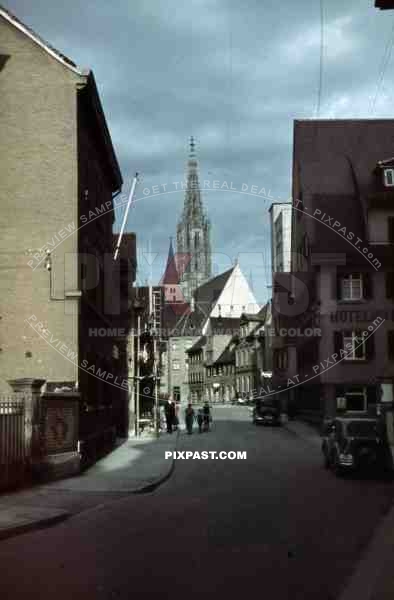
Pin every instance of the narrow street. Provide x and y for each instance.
(277, 523)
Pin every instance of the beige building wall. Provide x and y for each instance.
(39, 201)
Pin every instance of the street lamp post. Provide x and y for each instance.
(138, 307)
(137, 408)
(157, 414)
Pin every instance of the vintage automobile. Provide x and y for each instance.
(354, 443)
(266, 411)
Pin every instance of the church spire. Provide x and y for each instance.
(170, 274)
(192, 153)
(193, 204)
(193, 230)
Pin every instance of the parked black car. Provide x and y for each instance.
(266, 411)
(354, 443)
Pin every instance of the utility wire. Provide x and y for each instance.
(383, 67)
(319, 94)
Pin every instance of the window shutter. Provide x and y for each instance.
(390, 344)
(367, 285)
(371, 394)
(336, 287)
(338, 341)
(389, 276)
(370, 347)
(391, 229)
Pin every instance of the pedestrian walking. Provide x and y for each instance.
(200, 419)
(176, 417)
(206, 416)
(169, 409)
(189, 418)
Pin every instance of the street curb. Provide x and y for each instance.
(374, 565)
(34, 526)
(147, 489)
(55, 520)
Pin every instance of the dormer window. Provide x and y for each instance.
(388, 177)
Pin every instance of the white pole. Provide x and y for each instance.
(125, 216)
(157, 414)
(138, 377)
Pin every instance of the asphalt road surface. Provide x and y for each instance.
(276, 524)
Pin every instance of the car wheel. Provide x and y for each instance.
(338, 470)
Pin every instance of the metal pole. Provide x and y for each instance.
(137, 421)
(125, 216)
(156, 387)
(132, 407)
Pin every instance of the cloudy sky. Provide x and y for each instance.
(233, 74)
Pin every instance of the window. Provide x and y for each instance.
(390, 344)
(389, 276)
(176, 365)
(280, 359)
(351, 286)
(305, 246)
(388, 177)
(354, 343)
(390, 226)
(356, 399)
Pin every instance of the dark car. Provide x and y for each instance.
(266, 412)
(354, 443)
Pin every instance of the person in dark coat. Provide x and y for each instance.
(189, 418)
(200, 419)
(207, 416)
(169, 409)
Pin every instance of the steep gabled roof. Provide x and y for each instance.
(171, 275)
(198, 345)
(67, 62)
(207, 294)
(88, 91)
(190, 323)
(334, 163)
(227, 356)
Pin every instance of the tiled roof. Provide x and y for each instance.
(189, 323)
(198, 345)
(227, 356)
(171, 275)
(207, 294)
(224, 325)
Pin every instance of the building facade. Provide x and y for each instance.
(342, 261)
(59, 168)
(280, 229)
(220, 378)
(251, 354)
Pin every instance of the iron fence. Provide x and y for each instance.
(13, 458)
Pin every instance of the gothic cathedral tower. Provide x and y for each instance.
(193, 233)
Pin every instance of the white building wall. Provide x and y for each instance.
(284, 209)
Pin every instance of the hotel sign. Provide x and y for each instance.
(361, 315)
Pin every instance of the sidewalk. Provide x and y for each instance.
(136, 466)
(373, 577)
